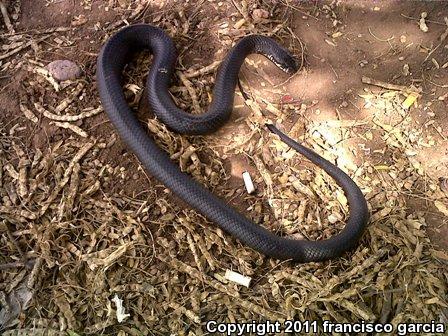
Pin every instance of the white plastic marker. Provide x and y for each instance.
(237, 278)
(248, 182)
(121, 315)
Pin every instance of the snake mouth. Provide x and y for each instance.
(286, 63)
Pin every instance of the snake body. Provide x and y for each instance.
(114, 55)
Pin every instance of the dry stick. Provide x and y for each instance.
(209, 68)
(6, 18)
(56, 117)
(36, 32)
(240, 9)
(297, 9)
(83, 150)
(26, 45)
(181, 266)
(389, 86)
(1, 172)
(191, 92)
(302, 46)
(418, 19)
(431, 52)
(141, 8)
(67, 101)
(14, 242)
(28, 114)
(45, 74)
(379, 39)
(78, 130)
(442, 38)
(14, 264)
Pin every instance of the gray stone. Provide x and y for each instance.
(62, 70)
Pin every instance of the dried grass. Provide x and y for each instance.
(73, 244)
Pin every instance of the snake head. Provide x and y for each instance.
(284, 60)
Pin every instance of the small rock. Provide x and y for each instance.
(63, 70)
(260, 14)
(344, 104)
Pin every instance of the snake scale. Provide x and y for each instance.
(117, 52)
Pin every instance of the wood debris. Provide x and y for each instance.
(85, 114)
(78, 130)
(28, 113)
(6, 19)
(150, 264)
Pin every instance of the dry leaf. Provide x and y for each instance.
(441, 207)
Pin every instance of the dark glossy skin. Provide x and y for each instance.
(113, 57)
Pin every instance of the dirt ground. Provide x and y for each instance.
(81, 222)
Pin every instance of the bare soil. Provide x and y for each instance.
(174, 260)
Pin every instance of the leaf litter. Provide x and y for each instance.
(72, 246)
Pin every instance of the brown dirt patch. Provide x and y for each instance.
(81, 222)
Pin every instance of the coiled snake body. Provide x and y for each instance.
(111, 61)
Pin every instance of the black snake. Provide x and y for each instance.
(114, 55)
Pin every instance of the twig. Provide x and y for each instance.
(52, 116)
(28, 113)
(37, 32)
(139, 9)
(381, 40)
(26, 45)
(202, 71)
(384, 85)
(78, 130)
(239, 9)
(191, 92)
(440, 133)
(334, 71)
(297, 9)
(15, 264)
(302, 46)
(438, 85)
(418, 19)
(6, 18)
(16, 245)
(430, 53)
